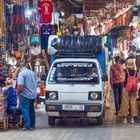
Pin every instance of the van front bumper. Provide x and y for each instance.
(90, 110)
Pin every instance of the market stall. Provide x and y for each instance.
(3, 71)
(3, 68)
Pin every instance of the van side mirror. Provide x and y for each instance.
(104, 78)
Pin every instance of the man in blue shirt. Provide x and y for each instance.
(11, 100)
(27, 92)
(12, 103)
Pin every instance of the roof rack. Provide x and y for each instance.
(75, 55)
(75, 47)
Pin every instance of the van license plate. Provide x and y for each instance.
(73, 107)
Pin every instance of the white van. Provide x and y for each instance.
(75, 83)
(75, 89)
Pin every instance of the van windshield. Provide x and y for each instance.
(75, 73)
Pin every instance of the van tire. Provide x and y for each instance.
(51, 121)
(100, 119)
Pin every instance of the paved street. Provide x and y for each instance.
(73, 129)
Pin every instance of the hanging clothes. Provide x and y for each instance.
(109, 42)
(19, 22)
(114, 41)
(8, 19)
(19, 19)
(46, 31)
(102, 60)
(46, 7)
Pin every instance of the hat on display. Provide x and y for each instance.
(130, 64)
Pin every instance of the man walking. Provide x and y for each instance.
(116, 82)
(27, 93)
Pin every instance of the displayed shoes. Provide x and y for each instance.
(132, 120)
(125, 120)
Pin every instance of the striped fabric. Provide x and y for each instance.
(19, 19)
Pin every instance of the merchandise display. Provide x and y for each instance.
(3, 68)
(88, 44)
(3, 104)
(46, 7)
(46, 31)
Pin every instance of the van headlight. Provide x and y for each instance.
(51, 95)
(95, 96)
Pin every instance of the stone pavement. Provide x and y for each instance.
(75, 129)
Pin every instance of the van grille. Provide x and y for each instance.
(73, 113)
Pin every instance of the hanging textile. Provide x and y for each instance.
(19, 22)
(31, 3)
(46, 7)
(18, 19)
(114, 41)
(46, 31)
(109, 42)
(8, 19)
(102, 60)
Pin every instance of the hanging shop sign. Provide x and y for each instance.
(46, 7)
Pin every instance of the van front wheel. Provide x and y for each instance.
(100, 119)
(51, 121)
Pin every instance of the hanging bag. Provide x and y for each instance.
(132, 82)
(34, 40)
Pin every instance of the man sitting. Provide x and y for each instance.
(11, 100)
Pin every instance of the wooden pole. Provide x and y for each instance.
(1, 16)
(46, 60)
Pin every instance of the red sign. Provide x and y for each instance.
(46, 7)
